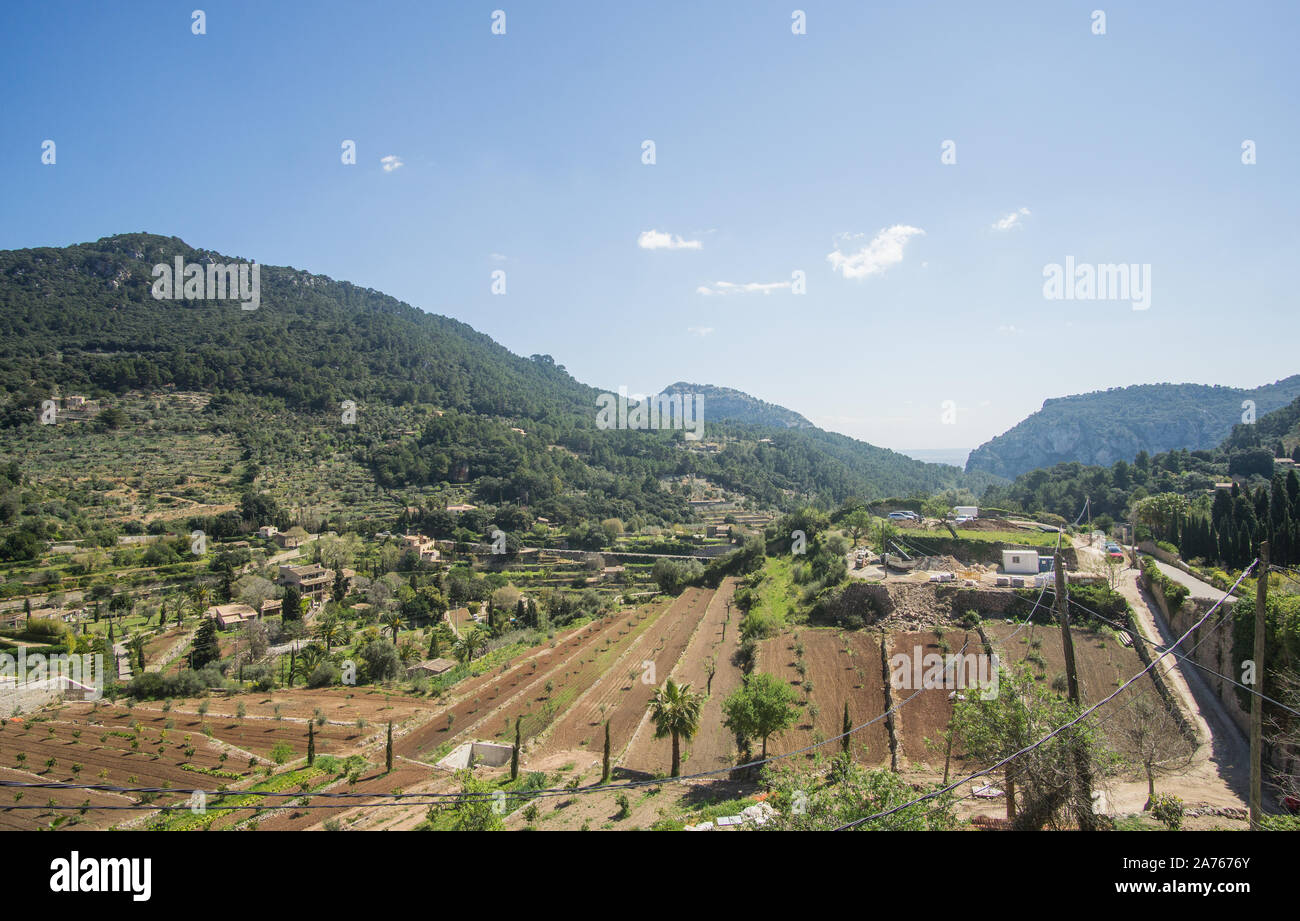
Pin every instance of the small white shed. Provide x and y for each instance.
(1020, 562)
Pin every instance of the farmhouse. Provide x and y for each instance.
(430, 668)
(1020, 562)
(311, 581)
(266, 531)
(465, 507)
(231, 615)
(422, 546)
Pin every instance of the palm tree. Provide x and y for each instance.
(675, 710)
(329, 631)
(307, 660)
(468, 644)
(392, 620)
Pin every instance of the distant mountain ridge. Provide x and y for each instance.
(439, 404)
(724, 404)
(1105, 426)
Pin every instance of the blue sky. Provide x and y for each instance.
(523, 152)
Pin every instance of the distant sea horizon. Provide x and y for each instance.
(954, 456)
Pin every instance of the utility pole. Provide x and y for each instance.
(1082, 774)
(1257, 700)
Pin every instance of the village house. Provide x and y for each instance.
(422, 546)
(464, 507)
(231, 615)
(430, 668)
(312, 580)
(267, 531)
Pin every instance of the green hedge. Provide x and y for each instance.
(1175, 592)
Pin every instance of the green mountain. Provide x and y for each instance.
(441, 412)
(724, 404)
(1110, 425)
(1219, 525)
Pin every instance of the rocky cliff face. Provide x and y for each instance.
(1103, 427)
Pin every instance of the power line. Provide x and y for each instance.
(1050, 735)
(523, 794)
(1133, 632)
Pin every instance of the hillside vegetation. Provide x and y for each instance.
(1112, 425)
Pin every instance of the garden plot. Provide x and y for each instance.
(838, 666)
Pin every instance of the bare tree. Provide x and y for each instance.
(1284, 734)
(1147, 735)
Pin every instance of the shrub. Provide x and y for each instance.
(1168, 809)
(281, 752)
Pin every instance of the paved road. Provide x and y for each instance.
(1198, 588)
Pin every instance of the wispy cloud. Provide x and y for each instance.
(700, 331)
(391, 163)
(854, 258)
(497, 257)
(654, 239)
(1011, 220)
(750, 287)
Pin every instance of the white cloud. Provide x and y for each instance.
(750, 287)
(1011, 220)
(391, 163)
(884, 250)
(700, 331)
(653, 239)
(497, 257)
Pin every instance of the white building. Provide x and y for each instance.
(966, 511)
(1020, 562)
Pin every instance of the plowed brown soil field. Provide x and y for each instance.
(842, 666)
(923, 712)
(714, 746)
(618, 693)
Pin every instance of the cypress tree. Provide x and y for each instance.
(604, 771)
(848, 725)
(388, 749)
(514, 754)
(311, 743)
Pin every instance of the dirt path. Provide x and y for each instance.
(1220, 772)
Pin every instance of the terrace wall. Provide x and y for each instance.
(1213, 649)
